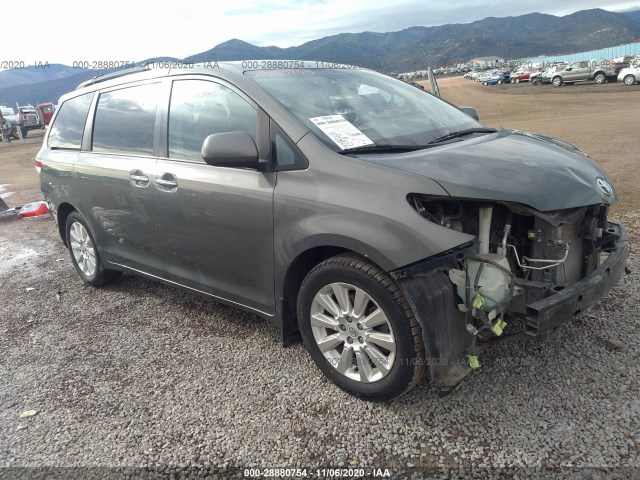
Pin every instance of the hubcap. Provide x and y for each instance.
(353, 332)
(83, 250)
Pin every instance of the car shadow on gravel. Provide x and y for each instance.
(190, 310)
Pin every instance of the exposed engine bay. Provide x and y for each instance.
(521, 258)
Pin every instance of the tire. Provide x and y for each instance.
(517, 80)
(84, 253)
(499, 82)
(337, 300)
(485, 83)
(557, 81)
(600, 78)
(629, 80)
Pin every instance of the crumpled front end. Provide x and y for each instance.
(544, 267)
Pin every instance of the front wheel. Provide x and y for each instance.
(16, 135)
(84, 253)
(359, 329)
(629, 80)
(557, 81)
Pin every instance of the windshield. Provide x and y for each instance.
(350, 108)
(7, 112)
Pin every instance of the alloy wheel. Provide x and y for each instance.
(83, 249)
(353, 332)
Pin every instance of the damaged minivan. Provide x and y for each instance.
(389, 229)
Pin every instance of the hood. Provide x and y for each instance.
(512, 166)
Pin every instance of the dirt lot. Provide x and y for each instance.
(141, 374)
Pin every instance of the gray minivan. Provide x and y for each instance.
(386, 227)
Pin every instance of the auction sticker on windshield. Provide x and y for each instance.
(343, 133)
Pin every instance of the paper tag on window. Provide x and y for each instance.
(343, 133)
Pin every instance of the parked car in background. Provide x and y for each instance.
(523, 75)
(631, 74)
(597, 70)
(544, 76)
(485, 76)
(498, 78)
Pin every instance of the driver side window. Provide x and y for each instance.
(200, 108)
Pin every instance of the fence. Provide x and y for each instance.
(604, 53)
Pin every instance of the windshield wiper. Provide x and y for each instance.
(382, 148)
(462, 133)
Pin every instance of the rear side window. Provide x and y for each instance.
(68, 127)
(200, 108)
(125, 120)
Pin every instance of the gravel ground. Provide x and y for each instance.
(142, 374)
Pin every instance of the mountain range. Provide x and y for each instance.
(409, 49)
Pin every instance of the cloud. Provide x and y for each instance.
(133, 31)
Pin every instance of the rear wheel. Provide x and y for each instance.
(517, 80)
(84, 253)
(629, 80)
(359, 329)
(600, 78)
(485, 83)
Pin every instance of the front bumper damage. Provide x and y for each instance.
(544, 316)
(434, 301)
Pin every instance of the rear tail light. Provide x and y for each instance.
(35, 210)
(38, 165)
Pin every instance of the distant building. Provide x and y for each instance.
(486, 61)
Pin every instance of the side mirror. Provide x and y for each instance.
(568, 69)
(472, 112)
(230, 149)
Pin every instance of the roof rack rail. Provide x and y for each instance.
(118, 73)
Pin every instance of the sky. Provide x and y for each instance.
(71, 31)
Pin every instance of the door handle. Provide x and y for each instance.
(167, 181)
(138, 179)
